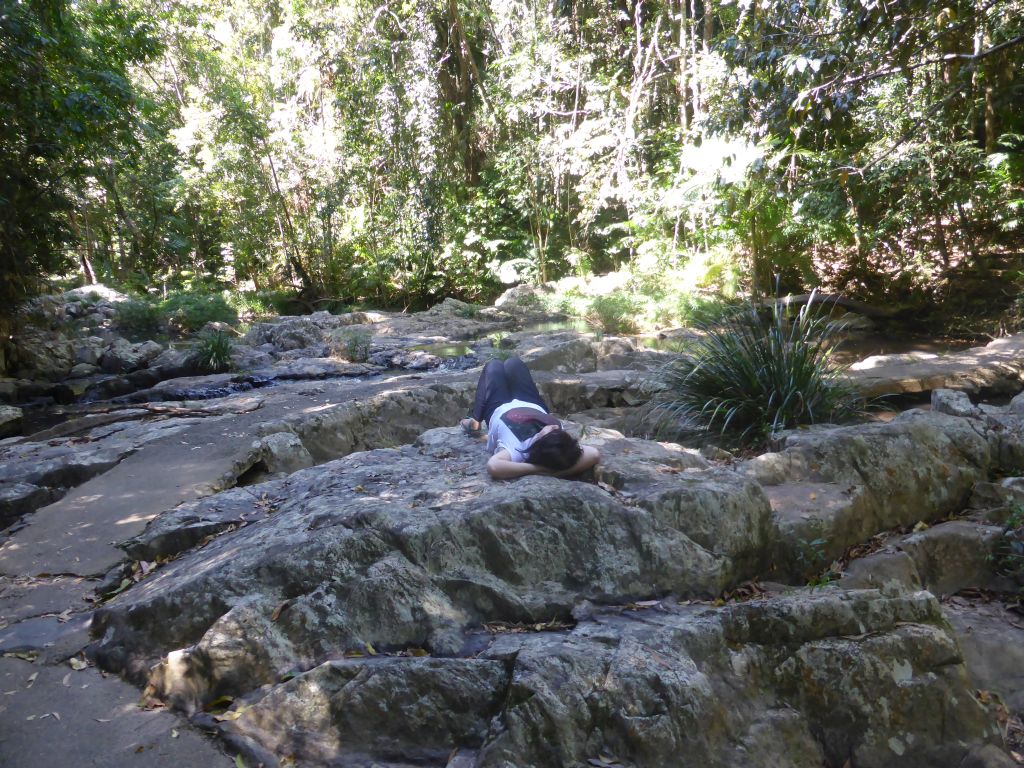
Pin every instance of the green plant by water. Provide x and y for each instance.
(613, 313)
(212, 353)
(753, 373)
(1008, 557)
(352, 344)
(184, 312)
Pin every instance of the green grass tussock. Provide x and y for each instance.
(752, 375)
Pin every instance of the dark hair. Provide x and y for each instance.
(557, 450)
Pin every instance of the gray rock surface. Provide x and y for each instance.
(803, 681)
(56, 717)
(284, 452)
(992, 640)
(10, 421)
(17, 499)
(840, 486)
(397, 563)
(954, 403)
(337, 578)
(997, 367)
(397, 607)
(954, 555)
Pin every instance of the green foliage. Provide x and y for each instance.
(212, 353)
(139, 318)
(470, 311)
(1008, 558)
(66, 106)
(251, 305)
(699, 309)
(613, 313)
(502, 347)
(352, 344)
(751, 376)
(442, 149)
(189, 312)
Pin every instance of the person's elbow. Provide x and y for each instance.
(495, 468)
(590, 458)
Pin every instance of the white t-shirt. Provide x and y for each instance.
(517, 432)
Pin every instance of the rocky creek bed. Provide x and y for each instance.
(330, 560)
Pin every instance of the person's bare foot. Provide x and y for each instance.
(471, 427)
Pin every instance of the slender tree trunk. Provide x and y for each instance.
(284, 222)
(110, 179)
(695, 84)
(684, 58)
(709, 25)
(84, 249)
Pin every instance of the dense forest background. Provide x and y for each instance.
(399, 151)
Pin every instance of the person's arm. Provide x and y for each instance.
(587, 459)
(501, 467)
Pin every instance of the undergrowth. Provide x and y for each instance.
(753, 373)
(212, 353)
(352, 344)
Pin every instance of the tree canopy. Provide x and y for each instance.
(397, 151)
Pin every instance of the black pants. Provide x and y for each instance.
(502, 382)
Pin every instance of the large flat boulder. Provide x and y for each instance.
(833, 487)
(997, 367)
(813, 679)
(411, 547)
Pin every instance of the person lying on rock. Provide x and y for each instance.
(523, 438)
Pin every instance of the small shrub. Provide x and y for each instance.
(138, 318)
(470, 311)
(352, 344)
(752, 376)
(189, 312)
(651, 284)
(502, 347)
(695, 308)
(251, 305)
(613, 313)
(1008, 558)
(571, 303)
(212, 353)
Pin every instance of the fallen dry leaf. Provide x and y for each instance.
(31, 679)
(277, 611)
(77, 664)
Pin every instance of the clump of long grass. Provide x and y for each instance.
(753, 372)
(614, 314)
(212, 353)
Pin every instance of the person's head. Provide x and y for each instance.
(554, 449)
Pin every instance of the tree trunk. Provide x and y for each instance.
(84, 249)
(110, 179)
(684, 58)
(709, 24)
(284, 222)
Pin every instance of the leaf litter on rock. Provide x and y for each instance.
(508, 627)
